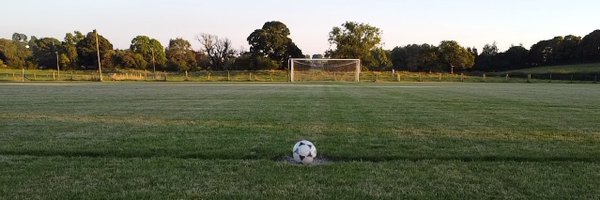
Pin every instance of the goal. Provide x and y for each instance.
(305, 69)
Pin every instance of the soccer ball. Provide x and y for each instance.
(304, 152)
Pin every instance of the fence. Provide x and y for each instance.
(200, 76)
(547, 77)
(283, 76)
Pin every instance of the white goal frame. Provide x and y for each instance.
(356, 71)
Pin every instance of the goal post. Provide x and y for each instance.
(306, 69)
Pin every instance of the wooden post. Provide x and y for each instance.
(420, 77)
(462, 77)
(228, 76)
(208, 76)
(571, 78)
(98, 54)
(376, 77)
(398, 77)
(250, 78)
(528, 78)
(34, 77)
(186, 76)
(507, 77)
(440, 76)
(23, 73)
(53, 75)
(483, 76)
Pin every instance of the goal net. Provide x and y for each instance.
(324, 69)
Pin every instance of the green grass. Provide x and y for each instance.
(227, 141)
(560, 69)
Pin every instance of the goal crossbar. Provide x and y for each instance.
(356, 62)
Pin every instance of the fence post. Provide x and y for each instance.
(398, 77)
(228, 76)
(250, 78)
(528, 78)
(462, 77)
(571, 78)
(440, 76)
(23, 73)
(483, 76)
(53, 75)
(208, 76)
(420, 77)
(507, 77)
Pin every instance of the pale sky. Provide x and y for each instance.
(470, 22)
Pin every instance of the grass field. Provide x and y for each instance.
(230, 141)
(560, 69)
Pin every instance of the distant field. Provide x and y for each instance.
(181, 140)
(560, 69)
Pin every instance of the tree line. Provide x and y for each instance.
(271, 47)
(559, 50)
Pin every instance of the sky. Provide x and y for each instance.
(473, 23)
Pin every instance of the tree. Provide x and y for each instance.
(589, 47)
(68, 54)
(273, 41)
(45, 52)
(488, 58)
(567, 51)
(544, 52)
(454, 55)
(317, 56)
(250, 61)
(515, 57)
(20, 38)
(354, 40)
(381, 59)
(86, 50)
(416, 57)
(180, 55)
(219, 51)
(129, 59)
(151, 50)
(14, 54)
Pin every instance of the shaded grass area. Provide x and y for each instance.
(593, 68)
(177, 140)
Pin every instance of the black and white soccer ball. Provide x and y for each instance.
(304, 152)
